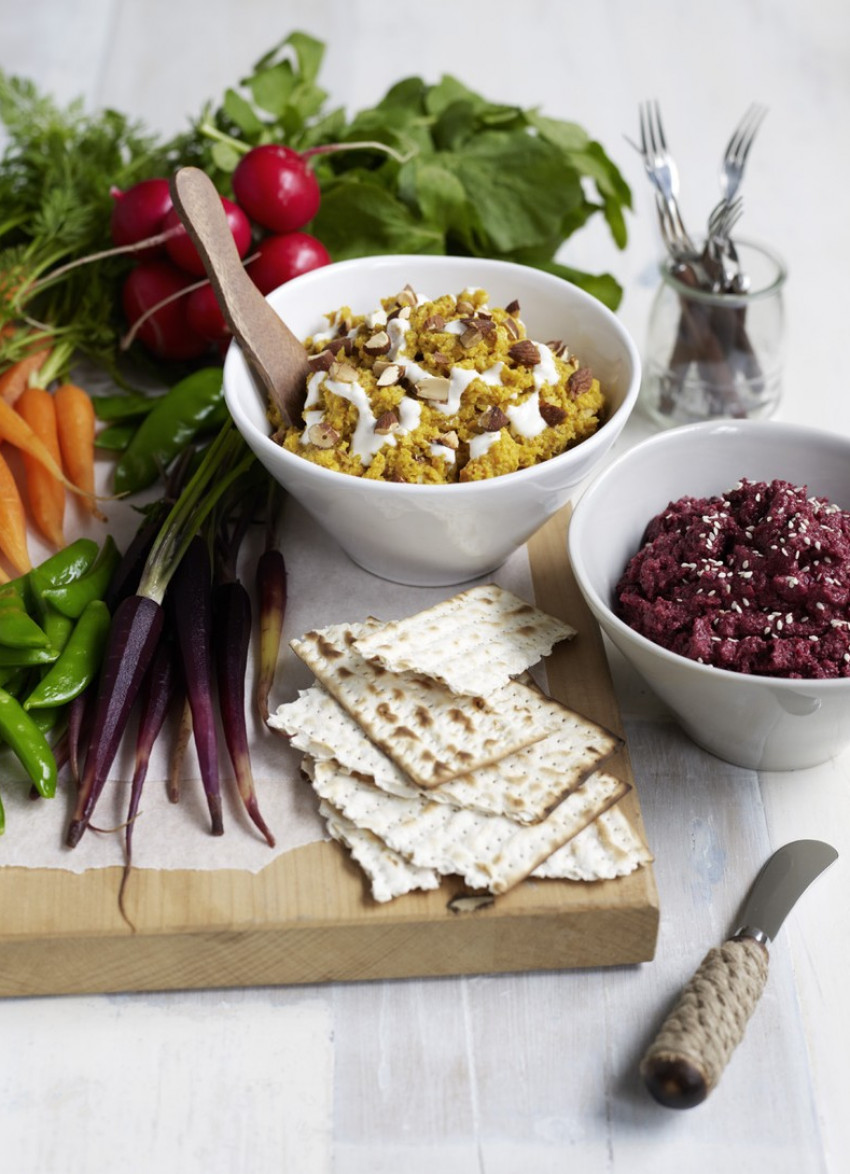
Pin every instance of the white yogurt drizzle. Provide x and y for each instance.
(311, 418)
(480, 444)
(409, 414)
(397, 328)
(525, 417)
(314, 387)
(545, 372)
(459, 377)
(493, 375)
(366, 441)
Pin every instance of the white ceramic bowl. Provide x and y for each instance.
(439, 534)
(757, 722)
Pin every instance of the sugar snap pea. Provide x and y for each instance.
(17, 627)
(28, 743)
(129, 406)
(116, 437)
(23, 657)
(11, 678)
(67, 564)
(47, 719)
(78, 663)
(57, 628)
(72, 598)
(16, 588)
(193, 405)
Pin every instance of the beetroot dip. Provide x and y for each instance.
(756, 581)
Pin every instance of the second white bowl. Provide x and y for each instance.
(759, 722)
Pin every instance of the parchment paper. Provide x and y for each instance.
(324, 586)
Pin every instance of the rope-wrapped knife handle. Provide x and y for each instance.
(687, 1057)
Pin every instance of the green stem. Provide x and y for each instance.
(11, 223)
(363, 145)
(57, 363)
(212, 132)
(191, 509)
(34, 287)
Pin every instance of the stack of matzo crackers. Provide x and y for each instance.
(433, 754)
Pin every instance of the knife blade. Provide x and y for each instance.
(687, 1057)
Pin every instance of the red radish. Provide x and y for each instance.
(204, 315)
(276, 187)
(181, 248)
(166, 332)
(139, 212)
(280, 258)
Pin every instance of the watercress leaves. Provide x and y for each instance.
(358, 217)
(483, 178)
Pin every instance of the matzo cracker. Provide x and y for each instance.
(489, 852)
(607, 848)
(389, 874)
(418, 722)
(474, 642)
(524, 786)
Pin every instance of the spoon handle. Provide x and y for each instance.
(275, 356)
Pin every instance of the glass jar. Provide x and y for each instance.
(711, 355)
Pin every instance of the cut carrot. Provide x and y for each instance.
(15, 429)
(13, 523)
(76, 425)
(16, 379)
(45, 495)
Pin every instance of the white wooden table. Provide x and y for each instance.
(500, 1074)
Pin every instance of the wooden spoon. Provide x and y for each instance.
(276, 358)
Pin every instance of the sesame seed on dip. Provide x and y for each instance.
(756, 580)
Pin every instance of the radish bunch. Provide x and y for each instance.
(165, 297)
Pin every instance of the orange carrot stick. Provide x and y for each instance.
(13, 524)
(15, 379)
(15, 429)
(45, 495)
(76, 424)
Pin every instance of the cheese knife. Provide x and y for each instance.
(687, 1057)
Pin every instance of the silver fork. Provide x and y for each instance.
(664, 175)
(737, 150)
(719, 257)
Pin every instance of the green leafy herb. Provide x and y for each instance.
(55, 178)
(449, 171)
(481, 178)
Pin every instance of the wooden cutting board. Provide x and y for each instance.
(307, 918)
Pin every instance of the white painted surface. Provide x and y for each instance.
(507, 1074)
